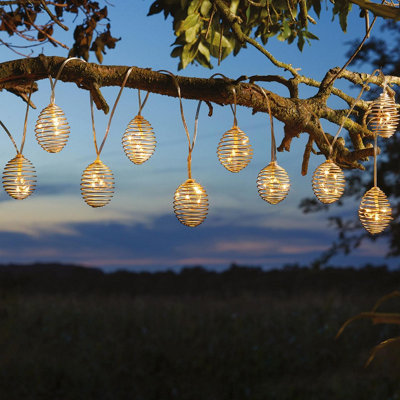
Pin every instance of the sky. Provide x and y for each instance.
(138, 229)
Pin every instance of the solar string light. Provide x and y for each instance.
(375, 212)
(19, 175)
(97, 183)
(273, 181)
(190, 198)
(139, 140)
(234, 149)
(52, 129)
(382, 114)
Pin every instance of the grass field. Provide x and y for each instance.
(213, 344)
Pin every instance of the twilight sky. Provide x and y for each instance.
(138, 229)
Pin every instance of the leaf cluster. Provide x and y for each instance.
(202, 32)
(21, 20)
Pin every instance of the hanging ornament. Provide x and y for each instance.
(190, 199)
(375, 212)
(139, 140)
(97, 182)
(19, 175)
(273, 181)
(328, 182)
(52, 129)
(234, 149)
(383, 117)
(190, 203)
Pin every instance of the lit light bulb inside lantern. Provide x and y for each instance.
(328, 182)
(234, 150)
(19, 177)
(375, 212)
(97, 184)
(273, 183)
(52, 129)
(139, 140)
(190, 203)
(383, 117)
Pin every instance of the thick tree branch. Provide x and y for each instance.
(298, 115)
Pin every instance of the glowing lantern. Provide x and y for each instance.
(273, 183)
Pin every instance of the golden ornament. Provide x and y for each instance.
(375, 212)
(234, 150)
(52, 129)
(383, 117)
(273, 183)
(139, 141)
(328, 182)
(97, 184)
(190, 203)
(19, 177)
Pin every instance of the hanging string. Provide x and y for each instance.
(9, 135)
(191, 143)
(26, 119)
(99, 150)
(331, 146)
(273, 143)
(53, 85)
(141, 105)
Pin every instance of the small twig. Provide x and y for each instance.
(52, 16)
(306, 156)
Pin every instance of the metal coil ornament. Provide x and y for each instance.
(383, 117)
(97, 184)
(328, 182)
(139, 140)
(375, 212)
(234, 150)
(19, 177)
(52, 129)
(190, 203)
(273, 183)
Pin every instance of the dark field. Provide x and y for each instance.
(70, 333)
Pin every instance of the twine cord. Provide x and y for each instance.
(99, 149)
(53, 85)
(141, 105)
(26, 120)
(375, 160)
(9, 135)
(193, 142)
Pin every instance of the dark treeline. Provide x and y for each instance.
(291, 280)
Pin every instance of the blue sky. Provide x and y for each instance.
(138, 228)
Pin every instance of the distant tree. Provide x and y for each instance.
(378, 52)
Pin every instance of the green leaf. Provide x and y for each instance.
(317, 7)
(205, 8)
(194, 7)
(188, 54)
(187, 23)
(204, 50)
(300, 41)
(191, 34)
(176, 52)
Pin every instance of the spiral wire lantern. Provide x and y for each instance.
(382, 114)
(328, 182)
(273, 182)
(375, 212)
(97, 182)
(139, 140)
(234, 150)
(19, 175)
(190, 198)
(52, 129)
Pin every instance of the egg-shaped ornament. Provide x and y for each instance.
(139, 140)
(234, 150)
(328, 182)
(19, 177)
(273, 183)
(52, 129)
(191, 203)
(382, 115)
(375, 212)
(97, 184)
